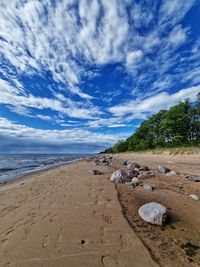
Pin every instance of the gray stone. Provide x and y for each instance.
(192, 177)
(125, 162)
(153, 213)
(194, 197)
(119, 176)
(148, 187)
(171, 173)
(132, 183)
(133, 165)
(163, 169)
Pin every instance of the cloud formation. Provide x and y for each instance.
(96, 66)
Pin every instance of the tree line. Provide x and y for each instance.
(178, 126)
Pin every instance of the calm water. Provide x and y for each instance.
(14, 166)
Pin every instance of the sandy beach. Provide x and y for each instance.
(67, 217)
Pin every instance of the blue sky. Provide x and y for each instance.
(77, 76)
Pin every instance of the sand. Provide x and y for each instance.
(178, 243)
(67, 217)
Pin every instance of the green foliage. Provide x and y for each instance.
(178, 126)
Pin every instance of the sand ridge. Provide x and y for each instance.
(67, 217)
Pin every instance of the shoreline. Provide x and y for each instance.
(42, 221)
(38, 171)
(44, 211)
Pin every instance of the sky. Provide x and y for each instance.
(78, 76)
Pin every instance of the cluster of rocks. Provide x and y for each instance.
(132, 174)
(106, 160)
(154, 213)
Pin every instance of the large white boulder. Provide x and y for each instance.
(153, 213)
(119, 176)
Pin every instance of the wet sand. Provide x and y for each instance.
(67, 217)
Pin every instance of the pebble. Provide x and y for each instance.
(132, 183)
(148, 187)
(125, 162)
(163, 169)
(194, 197)
(171, 173)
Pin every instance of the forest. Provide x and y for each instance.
(178, 126)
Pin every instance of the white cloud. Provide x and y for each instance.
(155, 103)
(11, 96)
(133, 58)
(22, 132)
(44, 117)
(177, 36)
(51, 37)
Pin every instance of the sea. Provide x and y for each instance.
(15, 166)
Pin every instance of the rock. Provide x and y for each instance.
(132, 183)
(163, 169)
(119, 176)
(193, 196)
(153, 213)
(96, 172)
(133, 165)
(135, 180)
(144, 168)
(103, 160)
(148, 187)
(143, 176)
(171, 173)
(133, 173)
(125, 163)
(192, 177)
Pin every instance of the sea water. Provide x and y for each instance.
(14, 166)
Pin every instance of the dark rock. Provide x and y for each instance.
(144, 168)
(96, 172)
(133, 173)
(133, 165)
(125, 163)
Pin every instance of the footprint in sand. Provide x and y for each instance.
(123, 242)
(53, 218)
(102, 234)
(107, 219)
(45, 241)
(108, 261)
